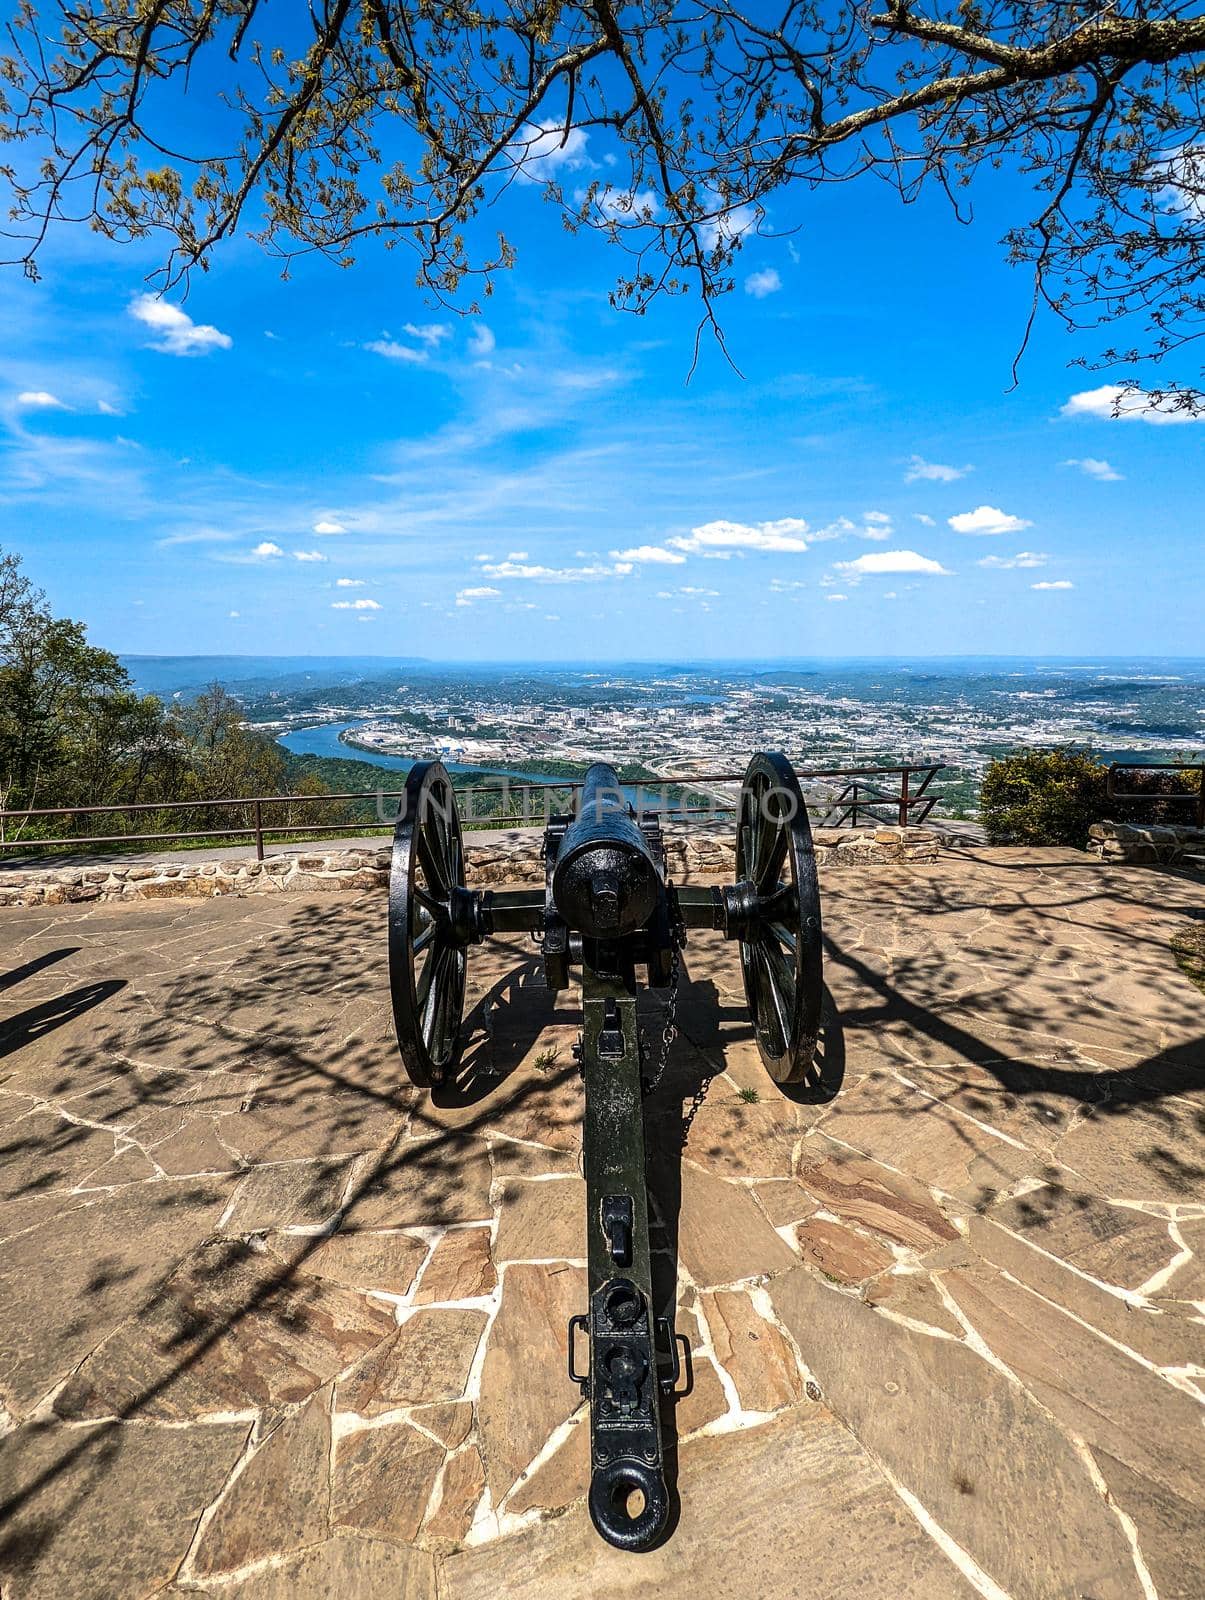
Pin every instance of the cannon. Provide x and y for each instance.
(608, 908)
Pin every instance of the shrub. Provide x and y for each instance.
(1043, 797)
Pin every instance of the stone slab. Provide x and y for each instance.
(105, 1512)
(525, 1394)
(758, 1512)
(982, 1457)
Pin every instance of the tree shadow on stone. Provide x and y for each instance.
(15, 975)
(36, 1022)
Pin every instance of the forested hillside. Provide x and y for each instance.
(73, 732)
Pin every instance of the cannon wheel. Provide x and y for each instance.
(781, 959)
(426, 960)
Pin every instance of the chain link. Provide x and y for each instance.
(670, 1031)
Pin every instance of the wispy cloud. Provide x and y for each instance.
(836, 597)
(349, 583)
(1059, 583)
(481, 341)
(988, 520)
(1024, 558)
(175, 333)
(467, 597)
(308, 555)
(539, 573)
(41, 400)
(431, 334)
(1093, 467)
(355, 605)
(392, 351)
(922, 471)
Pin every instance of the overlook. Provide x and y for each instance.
(274, 1322)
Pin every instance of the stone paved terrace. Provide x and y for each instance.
(273, 1324)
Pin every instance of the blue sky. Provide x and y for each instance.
(331, 465)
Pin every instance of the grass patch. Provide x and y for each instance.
(749, 1096)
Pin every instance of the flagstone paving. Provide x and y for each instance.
(275, 1324)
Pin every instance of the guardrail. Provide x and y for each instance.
(1161, 797)
(908, 804)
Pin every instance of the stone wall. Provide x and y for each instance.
(1129, 841)
(516, 860)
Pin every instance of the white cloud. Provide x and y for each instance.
(891, 595)
(41, 400)
(1114, 402)
(232, 613)
(430, 333)
(108, 410)
(836, 597)
(545, 148)
(392, 351)
(1024, 558)
(728, 227)
(1183, 194)
(481, 341)
(876, 525)
(308, 555)
(924, 519)
(784, 535)
(511, 555)
(785, 585)
(327, 526)
(653, 553)
(922, 471)
(987, 520)
(710, 594)
(354, 605)
(763, 283)
(267, 551)
(1092, 467)
(349, 583)
(465, 597)
(891, 561)
(176, 334)
(1059, 583)
(542, 574)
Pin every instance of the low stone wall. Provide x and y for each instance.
(691, 856)
(1129, 841)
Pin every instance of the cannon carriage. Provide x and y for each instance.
(609, 909)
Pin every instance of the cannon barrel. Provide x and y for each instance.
(606, 882)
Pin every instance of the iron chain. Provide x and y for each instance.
(670, 1031)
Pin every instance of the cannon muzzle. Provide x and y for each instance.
(606, 882)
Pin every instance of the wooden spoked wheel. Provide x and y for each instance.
(427, 958)
(781, 951)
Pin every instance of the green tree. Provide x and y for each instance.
(345, 120)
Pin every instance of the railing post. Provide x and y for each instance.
(1201, 799)
(259, 833)
(853, 820)
(904, 797)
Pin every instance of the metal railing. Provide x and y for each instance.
(869, 799)
(1156, 796)
(908, 803)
